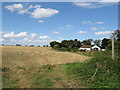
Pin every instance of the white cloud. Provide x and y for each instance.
(99, 23)
(103, 32)
(33, 35)
(22, 11)
(101, 28)
(14, 7)
(90, 22)
(21, 34)
(82, 32)
(1, 39)
(35, 6)
(66, 27)
(41, 21)
(36, 12)
(55, 32)
(10, 40)
(25, 38)
(42, 12)
(44, 37)
(87, 22)
(93, 4)
(12, 34)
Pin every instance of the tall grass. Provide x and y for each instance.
(100, 72)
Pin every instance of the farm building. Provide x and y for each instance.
(95, 48)
(89, 48)
(85, 48)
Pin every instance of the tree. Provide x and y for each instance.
(87, 42)
(70, 43)
(105, 43)
(69, 48)
(56, 46)
(97, 42)
(32, 45)
(77, 43)
(18, 44)
(117, 34)
(64, 43)
(54, 43)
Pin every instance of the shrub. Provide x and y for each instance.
(69, 48)
(100, 72)
(18, 44)
(64, 48)
(56, 46)
(75, 49)
(32, 45)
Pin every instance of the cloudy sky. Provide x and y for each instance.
(42, 22)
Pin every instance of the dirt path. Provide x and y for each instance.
(25, 62)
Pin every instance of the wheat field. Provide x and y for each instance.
(22, 62)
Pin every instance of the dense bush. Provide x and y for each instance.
(56, 46)
(100, 72)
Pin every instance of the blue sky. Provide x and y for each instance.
(39, 23)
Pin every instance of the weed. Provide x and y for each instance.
(5, 69)
(57, 78)
(40, 81)
(47, 67)
(21, 68)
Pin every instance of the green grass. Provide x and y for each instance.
(57, 78)
(99, 72)
(85, 53)
(41, 79)
(8, 82)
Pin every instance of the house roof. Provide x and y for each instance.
(86, 46)
(95, 46)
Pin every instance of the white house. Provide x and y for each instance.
(85, 48)
(95, 48)
(89, 48)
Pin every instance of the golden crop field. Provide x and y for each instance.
(20, 63)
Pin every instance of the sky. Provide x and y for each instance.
(39, 23)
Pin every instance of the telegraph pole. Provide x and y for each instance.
(113, 53)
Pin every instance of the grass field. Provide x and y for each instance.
(37, 67)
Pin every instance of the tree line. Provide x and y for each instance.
(75, 44)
